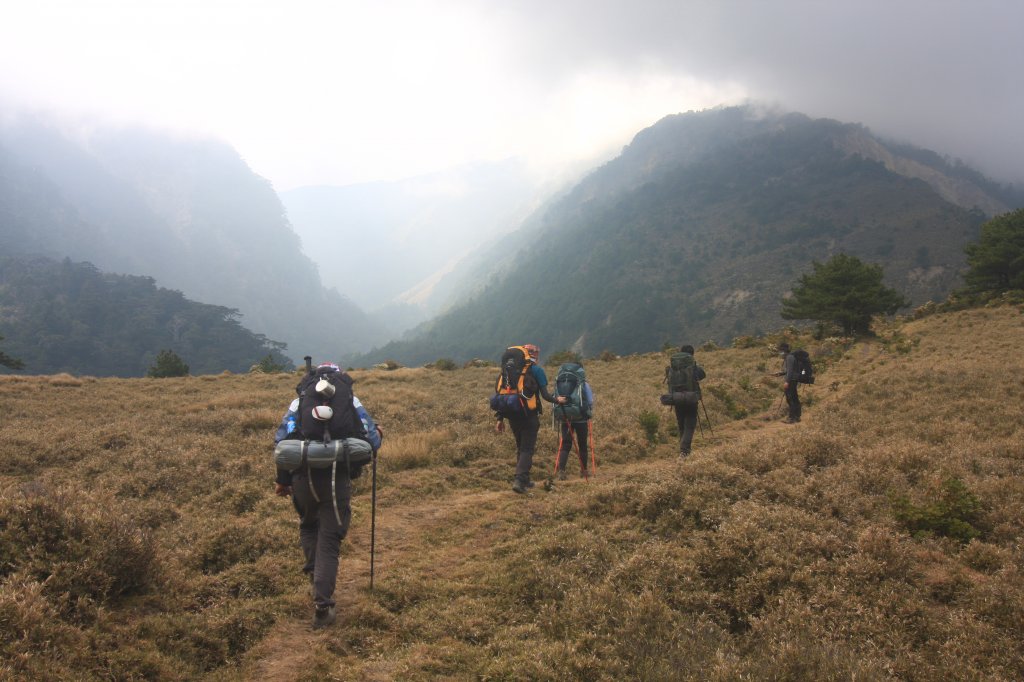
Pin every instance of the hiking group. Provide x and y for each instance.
(521, 382)
(327, 436)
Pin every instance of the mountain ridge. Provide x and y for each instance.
(698, 229)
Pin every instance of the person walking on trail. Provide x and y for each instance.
(683, 376)
(521, 382)
(791, 374)
(573, 411)
(321, 496)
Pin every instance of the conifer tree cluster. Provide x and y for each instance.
(844, 291)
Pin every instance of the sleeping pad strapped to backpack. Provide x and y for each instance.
(320, 443)
(515, 392)
(569, 384)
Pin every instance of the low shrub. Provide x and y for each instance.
(951, 511)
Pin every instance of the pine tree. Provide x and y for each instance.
(996, 260)
(168, 364)
(844, 291)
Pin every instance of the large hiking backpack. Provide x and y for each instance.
(569, 384)
(515, 392)
(804, 368)
(683, 388)
(343, 421)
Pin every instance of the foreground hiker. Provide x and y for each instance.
(326, 412)
(573, 411)
(683, 376)
(520, 384)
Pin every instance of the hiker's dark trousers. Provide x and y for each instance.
(793, 401)
(525, 430)
(581, 432)
(686, 419)
(319, 531)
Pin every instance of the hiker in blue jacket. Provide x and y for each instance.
(581, 429)
(322, 526)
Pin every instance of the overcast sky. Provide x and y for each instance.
(338, 91)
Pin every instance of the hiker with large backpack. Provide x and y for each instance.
(683, 376)
(323, 442)
(796, 369)
(520, 385)
(574, 408)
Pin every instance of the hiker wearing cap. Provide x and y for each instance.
(790, 374)
(325, 411)
(521, 381)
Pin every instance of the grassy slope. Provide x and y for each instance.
(144, 541)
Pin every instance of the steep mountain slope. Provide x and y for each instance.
(189, 213)
(700, 227)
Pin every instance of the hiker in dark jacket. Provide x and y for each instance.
(526, 426)
(687, 415)
(790, 375)
(581, 428)
(323, 506)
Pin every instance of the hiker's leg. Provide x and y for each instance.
(564, 445)
(793, 402)
(582, 431)
(529, 426)
(688, 414)
(330, 535)
(309, 519)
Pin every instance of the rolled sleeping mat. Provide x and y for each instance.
(680, 398)
(288, 454)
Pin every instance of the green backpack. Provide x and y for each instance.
(679, 373)
(569, 384)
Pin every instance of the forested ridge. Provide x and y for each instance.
(64, 316)
(698, 230)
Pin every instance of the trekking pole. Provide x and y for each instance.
(373, 516)
(706, 417)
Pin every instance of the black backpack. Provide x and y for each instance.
(515, 392)
(344, 422)
(803, 366)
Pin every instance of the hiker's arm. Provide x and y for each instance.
(283, 483)
(547, 396)
(499, 427)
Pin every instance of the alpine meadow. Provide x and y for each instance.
(880, 538)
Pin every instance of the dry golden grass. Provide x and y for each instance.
(139, 538)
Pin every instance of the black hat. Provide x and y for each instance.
(784, 347)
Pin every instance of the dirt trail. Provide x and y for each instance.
(403, 535)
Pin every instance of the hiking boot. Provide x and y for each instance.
(583, 473)
(530, 484)
(561, 475)
(683, 455)
(323, 616)
(518, 487)
(787, 420)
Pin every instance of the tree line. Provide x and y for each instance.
(71, 317)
